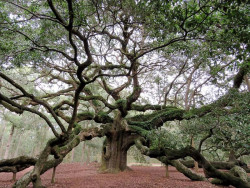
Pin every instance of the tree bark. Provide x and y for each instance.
(114, 152)
(117, 143)
(217, 164)
(167, 171)
(182, 169)
(53, 175)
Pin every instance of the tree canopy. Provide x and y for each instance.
(130, 67)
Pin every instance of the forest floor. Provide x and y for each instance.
(77, 175)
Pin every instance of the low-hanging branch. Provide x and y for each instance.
(174, 154)
(54, 147)
(33, 98)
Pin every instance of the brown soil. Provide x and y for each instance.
(78, 175)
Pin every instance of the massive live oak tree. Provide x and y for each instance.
(130, 66)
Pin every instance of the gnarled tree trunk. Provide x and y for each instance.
(115, 147)
(114, 152)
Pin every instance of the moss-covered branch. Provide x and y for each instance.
(56, 147)
(100, 117)
(209, 170)
(183, 169)
(152, 147)
(217, 164)
(156, 119)
(143, 108)
(16, 164)
(159, 117)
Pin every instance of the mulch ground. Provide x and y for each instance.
(78, 175)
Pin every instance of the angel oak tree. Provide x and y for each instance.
(91, 60)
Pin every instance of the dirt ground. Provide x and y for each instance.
(78, 175)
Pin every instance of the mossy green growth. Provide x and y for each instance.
(85, 116)
(103, 117)
(148, 117)
(139, 130)
(69, 146)
(96, 103)
(122, 104)
(87, 89)
(197, 112)
(156, 119)
(77, 128)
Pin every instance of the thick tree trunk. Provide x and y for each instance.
(114, 152)
(115, 147)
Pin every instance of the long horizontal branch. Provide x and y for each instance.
(158, 118)
(33, 98)
(210, 171)
(22, 107)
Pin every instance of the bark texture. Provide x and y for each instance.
(182, 169)
(218, 164)
(115, 147)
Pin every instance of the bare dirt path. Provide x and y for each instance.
(78, 175)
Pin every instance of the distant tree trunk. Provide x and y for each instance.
(88, 155)
(196, 167)
(53, 175)
(83, 151)
(72, 154)
(40, 141)
(35, 150)
(1, 149)
(14, 177)
(167, 171)
(3, 127)
(115, 147)
(18, 145)
(247, 82)
(187, 107)
(6, 154)
(232, 157)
